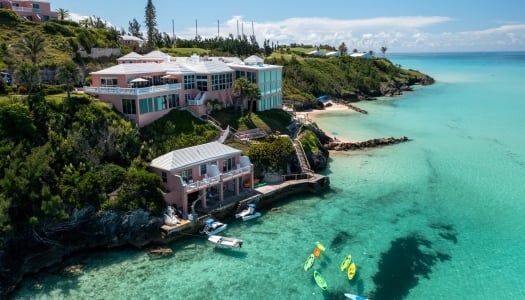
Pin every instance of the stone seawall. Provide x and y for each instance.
(348, 146)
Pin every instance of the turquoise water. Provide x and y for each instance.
(439, 216)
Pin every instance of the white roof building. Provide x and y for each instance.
(191, 156)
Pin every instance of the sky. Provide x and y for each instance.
(401, 26)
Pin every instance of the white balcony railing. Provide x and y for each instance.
(211, 181)
(100, 90)
(195, 102)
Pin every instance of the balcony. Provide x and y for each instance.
(199, 99)
(211, 181)
(131, 91)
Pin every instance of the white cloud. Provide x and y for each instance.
(406, 33)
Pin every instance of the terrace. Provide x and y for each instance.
(112, 90)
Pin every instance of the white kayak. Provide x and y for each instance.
(354, 297)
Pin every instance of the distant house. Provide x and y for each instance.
(316, 53)
(133, 42)
(146, 87)
(361, 55)
(333, 54)
(36, 11)
(203, 173)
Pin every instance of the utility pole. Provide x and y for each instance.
(217, 29)
(196, 33)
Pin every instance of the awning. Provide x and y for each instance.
(139, 80)
(169, 76)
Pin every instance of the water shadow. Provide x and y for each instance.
(401, 266)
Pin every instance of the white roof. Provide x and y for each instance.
(131, 38)
(192, 156)
(128, 69)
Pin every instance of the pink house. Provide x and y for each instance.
(203, 174)
(146, 87)
(36, 11)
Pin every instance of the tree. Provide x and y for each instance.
(151, 24)
(69, 74)
(343, 49)
(383, 50)
(240, 86)
(252, 94)
(134, 28)
(32, 44)
(27, 75)
(62, 13)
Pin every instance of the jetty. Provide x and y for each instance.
(263, 196)
(346, 146)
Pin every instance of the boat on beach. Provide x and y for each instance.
(212, 226)
(248, 213)
(225, 241)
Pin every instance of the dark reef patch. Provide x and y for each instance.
(401, 266)
(446, 231)
(340, 239)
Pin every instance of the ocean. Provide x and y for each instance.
(440, 216)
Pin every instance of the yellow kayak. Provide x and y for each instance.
(346, 262)
(320, 280)
(320, 246)
(309, 262)
(351, 271)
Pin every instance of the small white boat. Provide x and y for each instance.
(354, 297)
(170, 217)
(248, 213)
(212, 226)
(225, 241)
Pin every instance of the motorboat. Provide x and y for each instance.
(212, 226)
(170, 216)
(225, 241)
(248, 213)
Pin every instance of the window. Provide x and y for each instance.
(164, 177)
(221, 81)
(108, 81)
(146, 105)
(161, 103)
(251, 76)
(189, 82)
(186, 175)
(173, 100)
(128, 106)
(228, 164)
(202, 82)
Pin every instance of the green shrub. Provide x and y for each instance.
(54, 28)
(8, 17)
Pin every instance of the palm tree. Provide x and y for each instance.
(240, 88)
(252, 94)
(62, 13)
(27, 75)
(383, 50)
(343, 49)
(69, 74)
(32, 44)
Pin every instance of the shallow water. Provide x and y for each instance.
(439, 216)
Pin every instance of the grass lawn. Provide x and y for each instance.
(269, 121)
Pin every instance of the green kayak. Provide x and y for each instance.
(309, 262)
(320, 280)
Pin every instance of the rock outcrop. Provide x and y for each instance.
(35, 249)
(346, 146)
